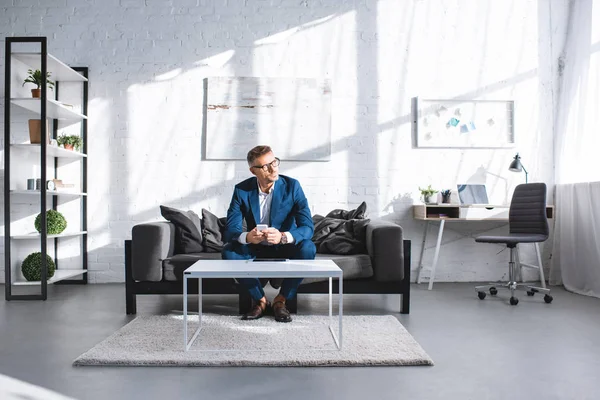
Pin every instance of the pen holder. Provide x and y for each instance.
(446, 196)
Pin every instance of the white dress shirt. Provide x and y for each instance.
(265, 200)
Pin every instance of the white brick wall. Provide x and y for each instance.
(147, 60)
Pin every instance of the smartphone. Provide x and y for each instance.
(262, 227)
(270, 260)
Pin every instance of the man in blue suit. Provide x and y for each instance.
(278, 202)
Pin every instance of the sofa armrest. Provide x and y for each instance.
(151, 243)
(385, 246)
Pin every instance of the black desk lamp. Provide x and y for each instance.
(516, 166)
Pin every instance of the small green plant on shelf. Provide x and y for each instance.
(35, 77)
(55, 222)
(32, 267)
(428, 194)
(70, 141)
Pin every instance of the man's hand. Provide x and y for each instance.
(255, 237)
(273, 236)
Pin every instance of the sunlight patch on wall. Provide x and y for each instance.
(99, 170)
(216, 61)
(164, 136)
(169, 75)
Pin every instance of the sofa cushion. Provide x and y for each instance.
(188, 238)
(357, 266)
(173, 267)
(354, 267)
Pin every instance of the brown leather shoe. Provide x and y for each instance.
(256, 312)
(281, 312)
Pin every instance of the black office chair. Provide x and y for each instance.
(528, 223)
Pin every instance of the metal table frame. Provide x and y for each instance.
(193, 273)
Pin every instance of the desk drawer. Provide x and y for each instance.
(484, 212)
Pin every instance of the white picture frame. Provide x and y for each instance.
(458, 123)
(292, 115)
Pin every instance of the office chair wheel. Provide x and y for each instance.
(493, 291)
(548, 299)
(530, 293)
(514, 301)
(481, 295)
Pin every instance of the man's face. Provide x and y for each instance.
(266, 168)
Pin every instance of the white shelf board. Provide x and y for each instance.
(59, 71)
(54, 109)
(35, 235)
(48, 193)
(59, 275)
(51, 151)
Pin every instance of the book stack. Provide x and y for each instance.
(63, 187)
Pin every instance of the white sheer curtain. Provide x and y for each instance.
(576, 253)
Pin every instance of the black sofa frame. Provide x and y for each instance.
(228, 286)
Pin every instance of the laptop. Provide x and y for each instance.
(472, 194)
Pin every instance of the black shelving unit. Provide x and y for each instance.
(53, 109)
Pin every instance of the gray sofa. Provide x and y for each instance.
(152, 268)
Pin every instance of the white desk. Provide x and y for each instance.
(464, 213)
(270, 269)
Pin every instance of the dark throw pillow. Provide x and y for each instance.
(212, 231)
(188, 236)
(357, 213)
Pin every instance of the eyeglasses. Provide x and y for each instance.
(273, 164)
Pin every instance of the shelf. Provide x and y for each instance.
(73, 84)
(59, 275)
(35, 235)
(54, 109)
(51, 151)
(59, 71)
(48, 193)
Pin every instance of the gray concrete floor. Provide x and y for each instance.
(481, 349)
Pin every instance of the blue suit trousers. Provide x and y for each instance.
(305, 250)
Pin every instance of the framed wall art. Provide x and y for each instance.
(464, 123)
(292, 115)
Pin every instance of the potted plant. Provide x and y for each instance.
(35, 131)
(35, 77)
(429, 195)
(70, 141)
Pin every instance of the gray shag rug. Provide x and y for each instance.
(306, 341)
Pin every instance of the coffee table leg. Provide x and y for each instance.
(341, 294)
(187, 345)
(336, 338)
(200, 302)
(330, 298)
(185, 311)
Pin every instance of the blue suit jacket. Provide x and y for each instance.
(289, 209)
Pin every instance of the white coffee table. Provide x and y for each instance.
(250, 269)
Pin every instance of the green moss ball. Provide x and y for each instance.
(32, 267)
(55, 222)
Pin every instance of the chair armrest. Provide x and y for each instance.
(151, 243)
(385, 246)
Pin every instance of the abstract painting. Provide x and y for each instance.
(292, 115)
(465, 123)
